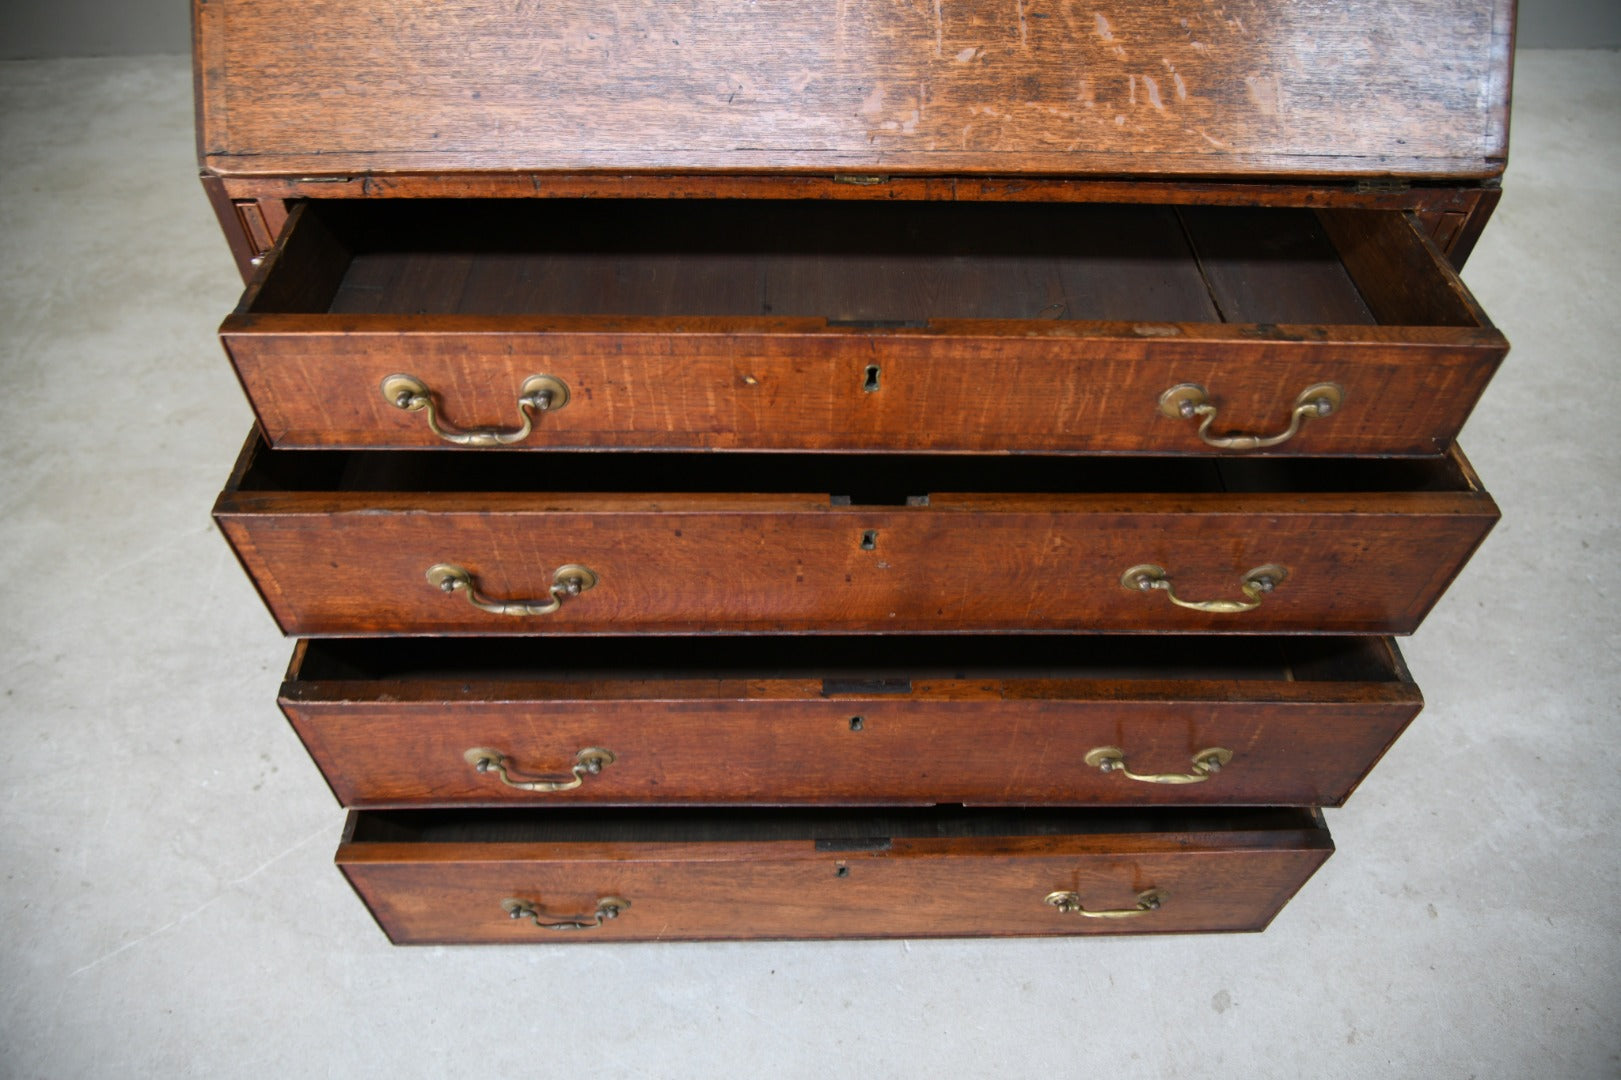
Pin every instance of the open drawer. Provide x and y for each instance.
(1012, 720)
(662, 874)
(381, 543)
(859, 325)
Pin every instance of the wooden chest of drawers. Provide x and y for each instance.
(755, 469)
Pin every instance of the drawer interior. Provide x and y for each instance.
(831, 829)
(863, 263)
(888, 664)
(847, 479)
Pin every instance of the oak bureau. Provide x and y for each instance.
(748, 468)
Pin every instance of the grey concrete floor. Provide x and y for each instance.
(170, 907)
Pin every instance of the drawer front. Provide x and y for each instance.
(1024, 722)
(920, 327)
(1155, 878)
(374, 562)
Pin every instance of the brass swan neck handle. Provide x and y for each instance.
(1147, 577)
(607, 907)
(568, 581)
(537, 394)
(1206, 763)
(1187, 401)
(588, 762)
(1070, 904)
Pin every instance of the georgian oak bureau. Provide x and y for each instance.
(750, 468)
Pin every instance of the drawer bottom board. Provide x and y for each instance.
(488, 877)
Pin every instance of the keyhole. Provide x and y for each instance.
(872, 379)
(842, 871)
(869, 539)
(857, 723)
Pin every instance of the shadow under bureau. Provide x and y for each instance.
(743, 470)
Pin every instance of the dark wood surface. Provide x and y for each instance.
(1249, 88)
(885, 721)
(339, 542)
(767, 325)
(1232, 871)
(1214, 874)
(871, 260)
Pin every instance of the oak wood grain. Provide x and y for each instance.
(1402, 281)
(784, 384)
(726, 343)
(1437, 196)
(763, 560)
(1003, 728)
(1230, 873)
(1044, 86)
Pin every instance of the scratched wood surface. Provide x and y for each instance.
(338, 542)
(766, 875)
(887, 720)
(1186, 87)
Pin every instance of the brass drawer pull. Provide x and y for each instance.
(608, 907)
(588, 762)
(539, 393)
(1185, 401)
(1070, 904)
(1206, 763)
(567, 582)
(1147, 577)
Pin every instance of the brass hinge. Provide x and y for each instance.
(864, 181)
(1382, 186)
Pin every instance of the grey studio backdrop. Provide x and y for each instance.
(44, 28)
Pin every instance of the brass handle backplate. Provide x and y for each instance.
(537, 394)
(1206, 763)
(1185, 401)
(608, 907)
(588, 762)
(1070, 904)
(568, 581)
(1146, 577)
